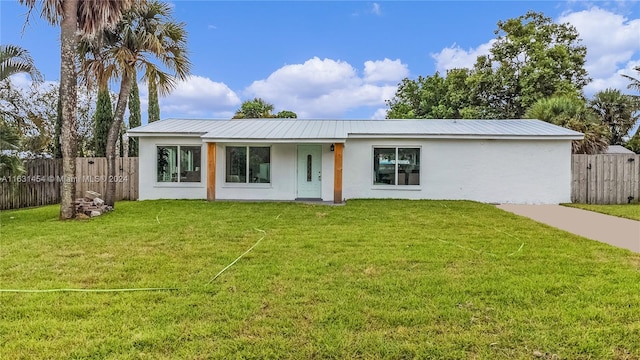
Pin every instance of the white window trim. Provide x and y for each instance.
(247, 184)
(193, 184)
(396, 186)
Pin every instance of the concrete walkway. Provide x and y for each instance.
(624, 233)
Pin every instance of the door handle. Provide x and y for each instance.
(319, 176)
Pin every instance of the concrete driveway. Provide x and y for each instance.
(624, 233)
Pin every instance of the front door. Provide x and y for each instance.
(309, 171)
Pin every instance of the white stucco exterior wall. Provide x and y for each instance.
(150, 189)
(492, 171)
(283, 184)
(283, 163)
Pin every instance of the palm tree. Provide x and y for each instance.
(146, 32)
(572, 113)
(254, 109)
(14, 59)
(634, 142)
(616, 110)
(75, 18)
(635, 82)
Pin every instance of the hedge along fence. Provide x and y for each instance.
(605, 179)
(41, 183)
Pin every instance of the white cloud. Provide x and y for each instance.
(199, 97)
(611, 39)
(457, 57)
(375, 9)
(614, 80)
(316, 76)
(385, 70)
(380, 114)
(328, 88)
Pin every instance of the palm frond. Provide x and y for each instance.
(14, 60)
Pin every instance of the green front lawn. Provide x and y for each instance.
(372, 279)
(629, 211)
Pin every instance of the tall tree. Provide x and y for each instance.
(134, 117)
(533, 58)
(573, 113)
(102, 120)
(146, 32)
(76, 18)
(153, 108)
(433, 97)
(618, 111)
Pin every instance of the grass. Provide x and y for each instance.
(372, 279)
(629, 211)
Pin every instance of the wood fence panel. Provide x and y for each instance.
(579, 178)
(92, 175)
(605, 178)
(40, 185)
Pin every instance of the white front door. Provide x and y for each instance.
(309, 171)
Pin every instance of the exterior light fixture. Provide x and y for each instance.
(332, 147)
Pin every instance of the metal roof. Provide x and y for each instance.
(174, 126)
(289, 130)
(617, 149)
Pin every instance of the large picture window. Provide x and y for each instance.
(396, 166)
(179, 163)
(248, 164)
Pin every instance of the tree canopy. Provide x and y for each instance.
(260, 109)
(572, 112)
(532, 58)
(618, 111)
(534, 69)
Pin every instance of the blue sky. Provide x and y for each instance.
(342, 59)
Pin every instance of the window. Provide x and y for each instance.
(179, 163)
(396, 166)
(248, 164)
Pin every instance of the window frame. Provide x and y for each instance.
(395, 185)
(247, 182)
(179, 181)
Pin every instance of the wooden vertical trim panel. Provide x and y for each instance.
(211, 171)
(337, 172)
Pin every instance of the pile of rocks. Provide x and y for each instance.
(91, 205)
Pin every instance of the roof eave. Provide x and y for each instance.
(274, 141)
(165, 134)
(466, 136)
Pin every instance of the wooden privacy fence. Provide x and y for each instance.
(40, 185)
(605, 178)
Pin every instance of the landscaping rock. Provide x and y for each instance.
(91, 205)
(91, 195)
